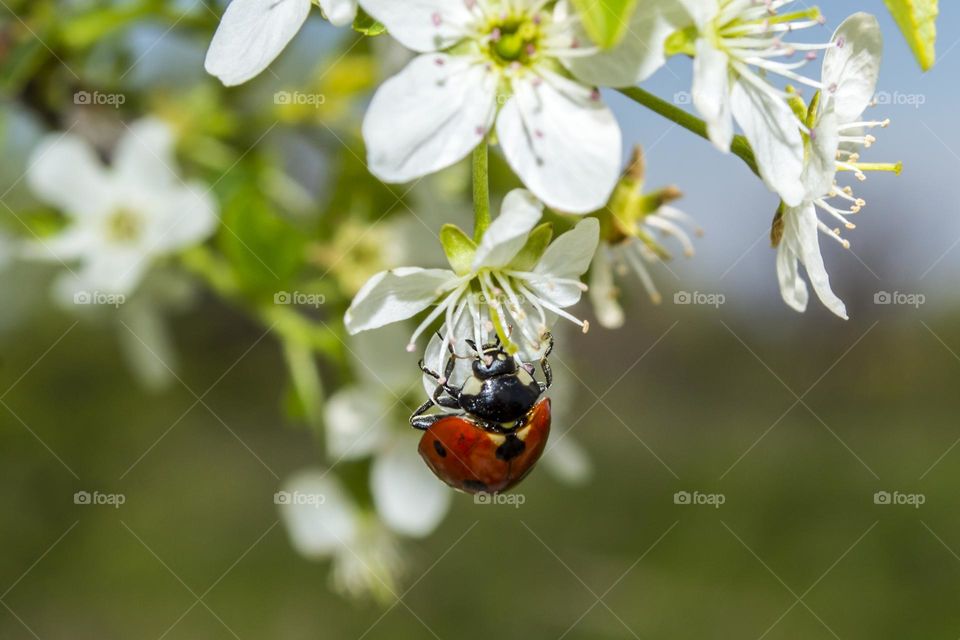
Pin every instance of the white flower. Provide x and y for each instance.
(369, 420)
(252, 33)
(636, 251)
(850, 72)
(489, 63)
(323, 521)
(739, 44)
(631, 224)
(120, 218)
(506, 281)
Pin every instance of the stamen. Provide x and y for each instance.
(636, 261)
(433, 315)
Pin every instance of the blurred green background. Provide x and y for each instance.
(796, 422)
(697, 410)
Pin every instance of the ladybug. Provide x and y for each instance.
(502, 426)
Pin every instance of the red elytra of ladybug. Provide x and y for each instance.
(471, 458)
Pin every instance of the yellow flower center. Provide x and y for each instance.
(124, 225)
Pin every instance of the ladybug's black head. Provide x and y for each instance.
(493, 361)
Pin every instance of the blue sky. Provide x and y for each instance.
(910, 222)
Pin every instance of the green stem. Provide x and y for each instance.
(306, 380)
(740, 147)
(481, 191)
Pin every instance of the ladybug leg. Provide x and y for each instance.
(436, 376)
(443, 386)
(545, 366)
(423, 422)
(451, 362)
(430, 372)
(420, 421)
(451, 401)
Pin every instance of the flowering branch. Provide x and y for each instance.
(740, 147)
(481, 191)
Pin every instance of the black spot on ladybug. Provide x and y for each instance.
(511, 448)
(439, 449)
(475, 486)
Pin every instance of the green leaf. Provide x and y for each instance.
(265, 251)
(366, 25)
(917, 20)
(606, 21)
(84, 30)
(459, 247)
(533, 250)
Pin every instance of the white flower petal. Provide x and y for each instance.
(65, 172)
(774, 133)
(567, 461)
(793, 288)
(800, 230)
(185, 217)
(319, 515)
(73, 242)
(821, 166)
(357, 421)
(429, 116)
(567, 257)
(144, 157)
(701, 11)
(519, 214)
(639, 54)
(395, 295)
(111, 270)
(252, 33)
(711, 92)
(851, 70)
(562, 141)
(422, 25)
(381, 361)
(339, 12)
(408, 497)
(604, 293)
